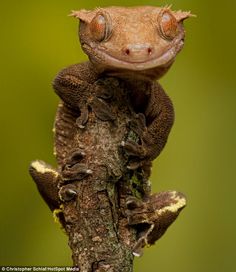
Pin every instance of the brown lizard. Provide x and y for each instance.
(136, 46)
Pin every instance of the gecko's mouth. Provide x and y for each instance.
(155, 61)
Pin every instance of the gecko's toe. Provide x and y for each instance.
(77, 171)
(82, 120)
(133, 149)
(133, 203)
(102, 110)
(76, 155)
(68, 192)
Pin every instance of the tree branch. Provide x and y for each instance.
(97, 206)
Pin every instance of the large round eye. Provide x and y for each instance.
(168, 25)
(100, 27)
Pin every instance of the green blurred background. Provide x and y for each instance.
(37, 40)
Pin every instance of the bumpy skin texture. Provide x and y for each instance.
(132, 47)
(75, 86)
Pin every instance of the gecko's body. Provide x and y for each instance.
(147, 97)
(137, 46)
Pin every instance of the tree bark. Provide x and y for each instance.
(100, 190)
(95, 220)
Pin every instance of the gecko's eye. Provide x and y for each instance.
(100, 27)
(167, 24)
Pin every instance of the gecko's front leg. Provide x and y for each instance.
(80, 88)
(159, 120)
(74, 86)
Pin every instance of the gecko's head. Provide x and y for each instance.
(138, 40)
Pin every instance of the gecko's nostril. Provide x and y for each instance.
(149, 50)
(138, 51)
(127, 51)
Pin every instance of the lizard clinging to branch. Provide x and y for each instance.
(135, 46)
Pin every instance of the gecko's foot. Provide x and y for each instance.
(104, 87)
(73, 169)
(99, 104)
(138, 125)
(102, 109)
(135, 211)
(138, 217)
(152, 217)
(138, 159)
(133, 149)
(74, 172)
(133, 145)
(76, 155)
(47, 180)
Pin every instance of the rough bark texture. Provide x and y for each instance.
(100, 190)
(95, 221)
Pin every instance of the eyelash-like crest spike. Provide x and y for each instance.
(83, 15)
(182, 15)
